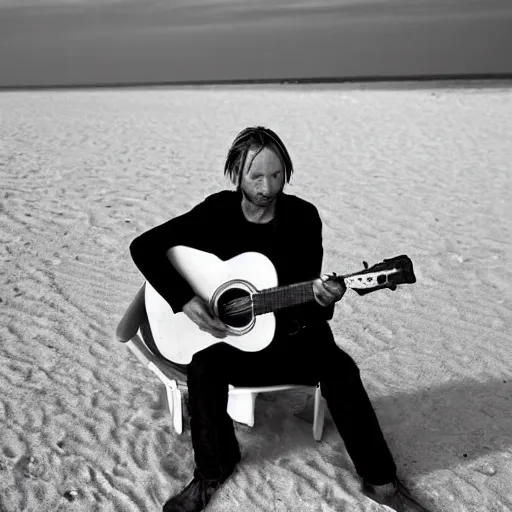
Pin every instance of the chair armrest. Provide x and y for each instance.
(130, 322)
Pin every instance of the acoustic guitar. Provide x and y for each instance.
(243, 292)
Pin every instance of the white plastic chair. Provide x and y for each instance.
(241, 400)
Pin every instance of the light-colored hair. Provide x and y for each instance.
(256, 137)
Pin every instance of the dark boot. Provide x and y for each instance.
(194, 497)
(394, 495)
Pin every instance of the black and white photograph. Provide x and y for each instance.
(255, 256)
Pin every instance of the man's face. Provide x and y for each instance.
(262, 179)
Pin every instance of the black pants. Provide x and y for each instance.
(309, 357)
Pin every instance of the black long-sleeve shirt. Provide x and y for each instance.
(292, 241)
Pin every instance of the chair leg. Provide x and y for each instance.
(175, 408)
(241, 407)
(174, 401)
(318, 415)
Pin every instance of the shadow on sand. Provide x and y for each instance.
(442, 427)
(432, 429)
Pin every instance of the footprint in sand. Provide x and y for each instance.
(31, 467)
(6, 464)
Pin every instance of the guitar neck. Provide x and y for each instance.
(280, 297)
(273, 299)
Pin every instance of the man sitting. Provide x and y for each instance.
(258, 216)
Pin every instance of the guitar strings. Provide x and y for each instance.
(238, 306)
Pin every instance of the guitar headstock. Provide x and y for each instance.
(390, 273)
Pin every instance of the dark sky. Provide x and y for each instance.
(156, 41)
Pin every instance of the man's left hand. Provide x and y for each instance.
(328, 291)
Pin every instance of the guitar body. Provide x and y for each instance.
(177, 337)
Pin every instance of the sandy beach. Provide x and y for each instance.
(423, 171)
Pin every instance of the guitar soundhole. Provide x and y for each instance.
(235, 307)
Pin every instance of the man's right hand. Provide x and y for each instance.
(198, 311)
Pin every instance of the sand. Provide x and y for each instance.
(422, 171)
